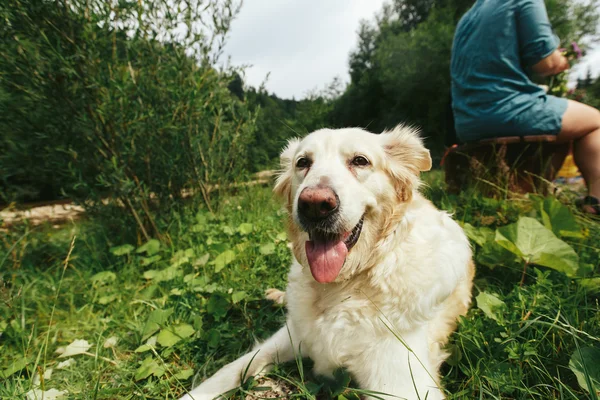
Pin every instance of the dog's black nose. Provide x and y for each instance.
(317, 203)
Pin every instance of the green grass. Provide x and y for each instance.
(208, 284)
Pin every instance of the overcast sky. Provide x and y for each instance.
(591, 61)
(304, 44)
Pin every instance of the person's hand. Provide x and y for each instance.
(554, 64)
(563, 65)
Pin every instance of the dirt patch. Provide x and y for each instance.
(60, 212)
(53, 213)
(274, 389)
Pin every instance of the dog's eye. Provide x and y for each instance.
(303, 162)
(360, 161)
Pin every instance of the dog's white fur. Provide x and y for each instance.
(396, 300)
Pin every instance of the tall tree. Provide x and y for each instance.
(583, 83)
(399, 71)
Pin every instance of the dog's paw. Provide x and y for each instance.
(275, 295)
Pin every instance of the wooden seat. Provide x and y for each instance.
(511, 163)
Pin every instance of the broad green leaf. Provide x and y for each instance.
(16, 366)
(199, 262)
(122, 250)
(149, 367)
(201, 218)
(481, 236)
(455, 355)
(197, 228)
(145, 261)
(148, 292)
(179, 262)
(197, 322)
(245, 228)
(490, 304)
(210, 288)
(149, 345)
(200, 284)
(281, 236)
(217, 246)
(150, 248)
(236, 297)
(536, 244)
(166, 274)
(103, 277)
(184, 374)
(217, 306)
(349, 396)
(240, 247)
(213, 337)
(267, 249)
(592, 285)
(180, 255)
(109, 298)
(341, 380)
(172, 334)
(493, 255)
(586, 269)
(156, 320)
(143, 348)
(558, 218)
(223, 260)
(197, 283)
(313, 388)
(585, 364)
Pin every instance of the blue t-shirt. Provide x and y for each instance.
(495, 43)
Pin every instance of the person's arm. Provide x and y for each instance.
(554, 64)
(537, 44)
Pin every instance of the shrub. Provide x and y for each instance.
(119, 103)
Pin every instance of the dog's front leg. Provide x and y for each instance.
(397, 370)
(278, 348)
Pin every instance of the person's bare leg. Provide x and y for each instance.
(581, 124)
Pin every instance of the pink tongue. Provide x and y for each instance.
(326, 259)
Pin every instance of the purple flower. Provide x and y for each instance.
(577, 50)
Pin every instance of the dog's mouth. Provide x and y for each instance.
(326, 252)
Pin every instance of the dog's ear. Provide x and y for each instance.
(283, 185)
(407, 157)
(404, 145)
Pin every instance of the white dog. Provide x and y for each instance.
(380, 276)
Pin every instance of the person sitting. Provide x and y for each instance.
(497, 45)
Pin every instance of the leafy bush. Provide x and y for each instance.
(400, 69)
(281, 119)
(119, 102)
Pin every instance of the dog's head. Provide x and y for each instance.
(342, 189)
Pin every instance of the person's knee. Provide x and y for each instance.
(588, 117)
(597, 118)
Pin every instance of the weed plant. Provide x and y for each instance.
(91, 316)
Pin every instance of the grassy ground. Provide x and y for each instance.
(154, 316)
